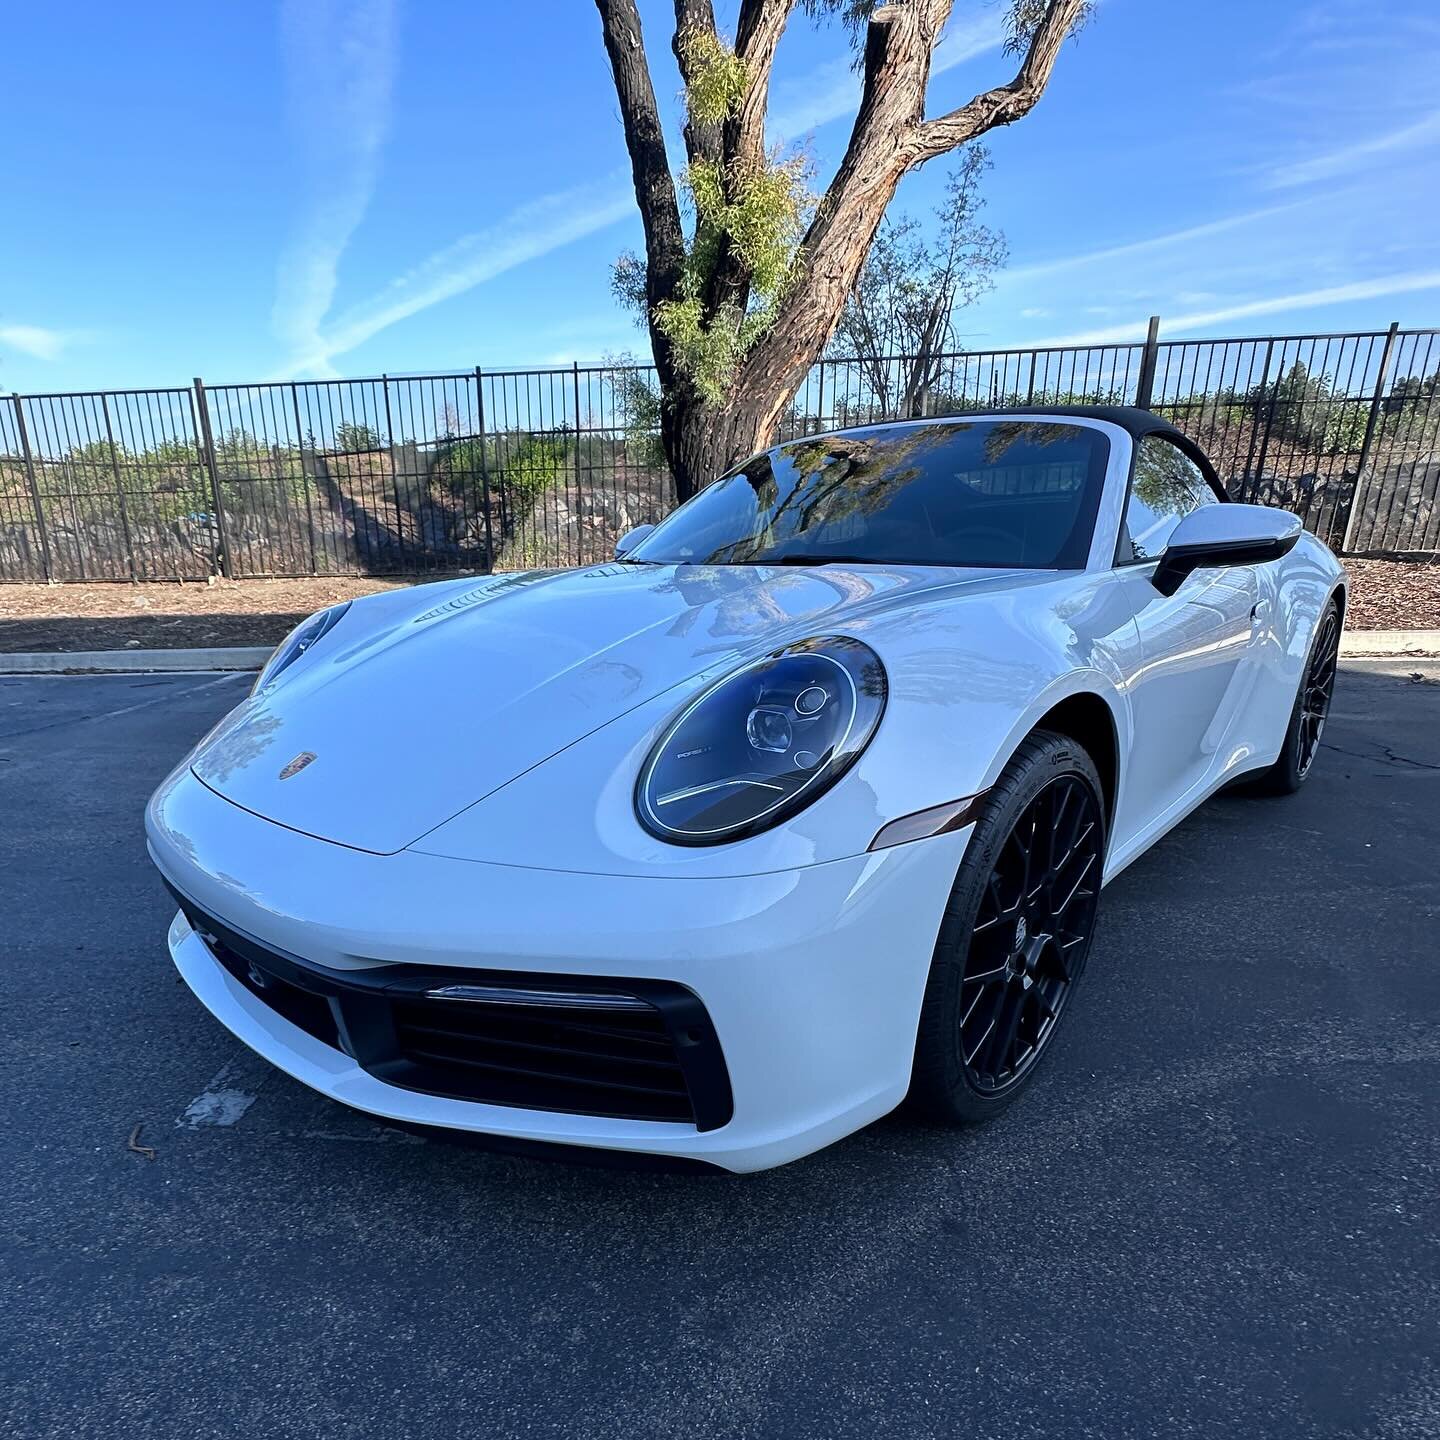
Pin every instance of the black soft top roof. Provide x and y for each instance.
(1128, 417)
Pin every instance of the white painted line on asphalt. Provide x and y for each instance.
(232, 1090)
(166, 699)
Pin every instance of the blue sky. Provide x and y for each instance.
(311, 187)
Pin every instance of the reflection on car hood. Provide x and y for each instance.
(421, 702)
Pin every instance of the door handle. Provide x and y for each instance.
(1259, 612)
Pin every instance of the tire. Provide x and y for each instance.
(1308, 715)
(1047, 801)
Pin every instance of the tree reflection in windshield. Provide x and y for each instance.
(993, 493)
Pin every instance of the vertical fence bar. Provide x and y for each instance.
(119, 488)
(1358, 489)
(484, 470)
(1145, 385)
(29, 459)
(202, 410)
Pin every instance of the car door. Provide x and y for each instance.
(1196, 646)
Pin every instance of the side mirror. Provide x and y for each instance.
(630, 539)
(1225, 535)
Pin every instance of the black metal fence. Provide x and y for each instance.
(485, 470)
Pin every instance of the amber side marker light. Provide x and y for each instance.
(937, 820)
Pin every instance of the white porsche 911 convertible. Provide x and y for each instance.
(801, 806)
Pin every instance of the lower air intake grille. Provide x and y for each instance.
(630, 1049)
(621, 1063)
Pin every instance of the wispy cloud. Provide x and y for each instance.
(1372, 289)
(339, 62)
(39, 341)
(1351, 157)
(525, 234)
(802, 104)
(1044, 268)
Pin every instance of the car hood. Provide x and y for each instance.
(420, 703)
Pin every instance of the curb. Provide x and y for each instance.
(1353, 644)
(130, 662)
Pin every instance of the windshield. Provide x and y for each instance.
(1006, 493)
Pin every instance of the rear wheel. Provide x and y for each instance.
(1016, 933)
(1312, 707)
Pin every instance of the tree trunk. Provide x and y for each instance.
(701, 441)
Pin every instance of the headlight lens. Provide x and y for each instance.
(762, 743)
(305, 635)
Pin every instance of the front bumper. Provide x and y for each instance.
(811, 978)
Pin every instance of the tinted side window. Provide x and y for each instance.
(1166, 486)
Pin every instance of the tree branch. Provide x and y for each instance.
(757, 33)
(702, 138)
(649, 165)
(1005, 103)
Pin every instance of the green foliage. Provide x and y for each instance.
(237, 448)
(1023, 18)
(627, 282)
(531, 466)
(759, 213)
(1308, 413)
(354, 438)
(635, 404)
(717, 76)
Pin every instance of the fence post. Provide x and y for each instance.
(119, 488)
(484, 471)
(1357, 491)
(202, 410)
(579, 532)
(394, 474)
(1247, 488)
(34, 489)
(305, 477)
(820, 404)
(1145, 385)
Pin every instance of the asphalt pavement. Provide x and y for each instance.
(1215, 1214)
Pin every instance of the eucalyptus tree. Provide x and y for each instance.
(742, 302)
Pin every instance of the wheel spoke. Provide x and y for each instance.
(1064, 905)
(970, 1058)
(1007, 1027)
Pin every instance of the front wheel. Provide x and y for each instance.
(1015, 935)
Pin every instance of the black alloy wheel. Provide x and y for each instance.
(1029, 937)
(1318, 689)
(1015, 935)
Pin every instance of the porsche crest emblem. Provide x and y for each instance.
(296, 765)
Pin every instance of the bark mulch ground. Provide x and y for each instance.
(1385, 595)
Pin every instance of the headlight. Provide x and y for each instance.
(762, 743)
(306, 634)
